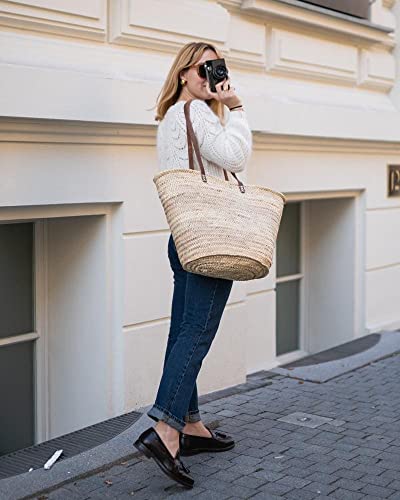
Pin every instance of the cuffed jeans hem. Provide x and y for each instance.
(192, 417)
(157, 413)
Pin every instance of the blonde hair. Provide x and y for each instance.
(188, 55)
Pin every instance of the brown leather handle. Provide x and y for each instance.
(192, 142)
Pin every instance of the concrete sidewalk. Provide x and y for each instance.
(353, 452)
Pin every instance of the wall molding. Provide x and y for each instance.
(297, 55)
(284, 142)
(376, 70)
(316, 20)
(75, 132)
(132, 26)
(32, 212)
(81, 19)
(17, 130)
(272, 44)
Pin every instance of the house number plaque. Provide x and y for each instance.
(393, 180)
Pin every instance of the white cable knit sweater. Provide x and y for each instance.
(220, 146)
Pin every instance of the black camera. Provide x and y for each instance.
(215, 71)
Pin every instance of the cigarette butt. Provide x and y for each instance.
(53, 459)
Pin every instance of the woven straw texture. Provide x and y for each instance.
(218, 230)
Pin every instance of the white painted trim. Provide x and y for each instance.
(306, 280)
(144, 234)
(30, 213)
(38, 130)
(290, 277)
(303, 316)
(383, 266)
(17, 339)
(318, 195)
(75, 132)
(115, 314)
(268, 289)
(360, 293)
(264, 141)
(41, 378)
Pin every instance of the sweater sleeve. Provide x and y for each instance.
(227, 146)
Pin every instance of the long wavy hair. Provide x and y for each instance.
(188, 55)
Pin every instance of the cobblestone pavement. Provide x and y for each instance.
(357, 459)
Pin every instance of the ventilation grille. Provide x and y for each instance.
(72, 444)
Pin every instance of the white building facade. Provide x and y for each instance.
(86, 285)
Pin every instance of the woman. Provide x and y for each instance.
(198, 301)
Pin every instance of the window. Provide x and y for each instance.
(288, 280)
(356, 8)
(16, 336)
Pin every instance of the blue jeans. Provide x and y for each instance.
(197, 306)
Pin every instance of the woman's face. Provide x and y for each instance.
(195, 86)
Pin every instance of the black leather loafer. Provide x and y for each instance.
(219, 441)
(150, 443)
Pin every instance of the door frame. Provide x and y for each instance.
(302, 275)
(41, 379)
(304, 292)
(38, 215)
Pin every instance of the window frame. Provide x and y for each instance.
(301, 278)
(359, 9)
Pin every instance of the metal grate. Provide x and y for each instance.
(73, 443)
(339, 352)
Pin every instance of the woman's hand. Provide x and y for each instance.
(224, 93)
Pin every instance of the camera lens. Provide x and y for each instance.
(220, 72)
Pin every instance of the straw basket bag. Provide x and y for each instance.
(220, 229)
